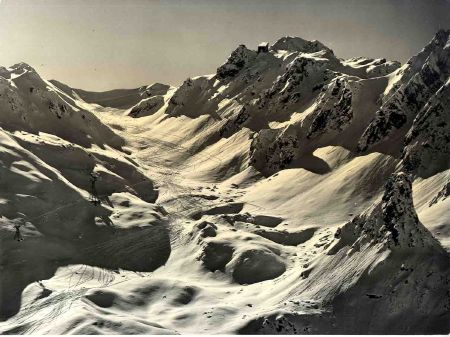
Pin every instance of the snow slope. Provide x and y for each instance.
(290, 192)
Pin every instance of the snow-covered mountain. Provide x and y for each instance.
(285, 193)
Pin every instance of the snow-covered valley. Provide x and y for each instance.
(291, 192)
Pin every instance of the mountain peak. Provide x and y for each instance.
(441, 37)
(236, 61)
(440, 41)
(22, 67)
(298, 44)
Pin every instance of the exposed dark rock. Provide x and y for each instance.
(425, 75)
(334, 110)
(442, 195)
(392, 222)
(273, 150)
(237, 60)
(427, 149)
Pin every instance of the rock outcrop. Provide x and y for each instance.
(273, 150)
(147, 107)
(427, 148)
(334, 108)
(419, 80)
(392, 222)
(237, 60)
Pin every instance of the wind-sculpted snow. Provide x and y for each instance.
(372, 263)
(31, 104)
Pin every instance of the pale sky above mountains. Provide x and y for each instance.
(100, 45)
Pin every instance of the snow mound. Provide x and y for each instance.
(256, 265)
(216, 255)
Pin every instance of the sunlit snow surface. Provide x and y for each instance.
(267, 198)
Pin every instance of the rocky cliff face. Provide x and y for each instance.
(428, 141)
(334, 108)
(240, 57)
(273, 150)
(419, 80)
(392, 222)
(302, 77)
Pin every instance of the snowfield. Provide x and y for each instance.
(292, 192)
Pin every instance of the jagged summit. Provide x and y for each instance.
(243, 56)
(427, 148)
(440, 41)
(298, 44)
(237, 60)
(298, 96)
(416, 83)
(22, 67)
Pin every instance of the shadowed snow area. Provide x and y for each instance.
(291, 192)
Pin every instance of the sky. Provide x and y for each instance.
(106, 44)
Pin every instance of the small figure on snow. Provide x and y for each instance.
(18, 236)
(94, 196)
